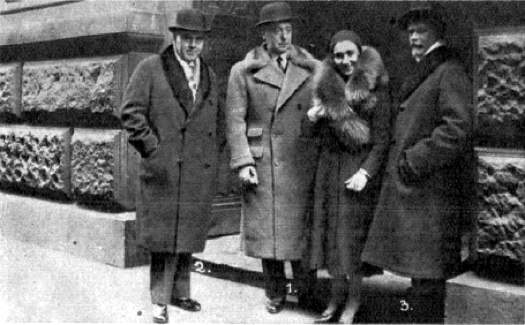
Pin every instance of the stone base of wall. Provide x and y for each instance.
(475, 300)
(105, 237)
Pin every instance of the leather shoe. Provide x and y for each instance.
(186, 304)
(160, 314)
(273, 306)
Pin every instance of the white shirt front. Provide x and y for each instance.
(192, 71)
(430, 49)
(284, 61)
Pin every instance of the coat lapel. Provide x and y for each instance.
(270, 75)
(423, 69)
(177, 80)
(294, 78)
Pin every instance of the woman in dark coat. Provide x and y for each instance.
(352, 110)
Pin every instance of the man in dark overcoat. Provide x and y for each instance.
(427, 197)
(170, 111)
(272, 148)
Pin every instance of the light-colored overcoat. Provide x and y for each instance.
(177, 141)
(267, 127)
(418, 224)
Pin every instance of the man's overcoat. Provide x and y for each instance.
(267, 126)
(177, 141)
(419, 220)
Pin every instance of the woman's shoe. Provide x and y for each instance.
(329, 315)
(351, 308)
(160, 314)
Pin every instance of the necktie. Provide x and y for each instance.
(192, 82)
(280, 63)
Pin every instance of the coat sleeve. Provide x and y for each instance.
(134, 111)
(236, 108)
(450, 138)
(380, 129)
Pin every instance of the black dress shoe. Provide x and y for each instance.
(273, 306)
(186, 304)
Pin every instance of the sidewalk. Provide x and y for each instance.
(41, 285)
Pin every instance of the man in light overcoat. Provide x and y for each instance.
(272, 147)
(170, 111)
(426, 202)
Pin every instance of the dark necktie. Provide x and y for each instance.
(280, 63)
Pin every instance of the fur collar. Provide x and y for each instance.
(258, 58)
(348, 104)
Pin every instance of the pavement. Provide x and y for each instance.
(43, 285)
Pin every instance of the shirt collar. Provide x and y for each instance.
(435, 46)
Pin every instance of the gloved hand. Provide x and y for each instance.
(316, 112)
(358, 181)
(248, 176)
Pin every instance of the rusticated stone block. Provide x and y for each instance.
(501, 89)
(501, 220)
(35, 160)
(78, 91)
(10, 78)
(103, 168)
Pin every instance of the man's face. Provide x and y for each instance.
(345, 54)
(188, 45)
(278, 37)
(421, 36)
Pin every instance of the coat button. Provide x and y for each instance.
(207, 165)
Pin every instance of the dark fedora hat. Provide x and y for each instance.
(423, 13)
(275, 12)
(189, 20)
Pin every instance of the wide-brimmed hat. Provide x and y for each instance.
(190, 20)
(423, 13)
(275, 12)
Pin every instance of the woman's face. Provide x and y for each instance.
(345, 54)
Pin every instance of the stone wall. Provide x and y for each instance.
(501, 220)
(9, 89)
(35, 160)
(73, 92)
(96, 167)
(500, 93)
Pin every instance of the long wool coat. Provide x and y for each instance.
(177, 180)
(267, 127)
(354, 135)
(419, 220)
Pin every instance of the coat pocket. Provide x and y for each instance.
(255, 135)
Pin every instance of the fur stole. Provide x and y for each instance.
(348, 105)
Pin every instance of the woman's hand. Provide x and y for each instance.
(316, 112)
(358, 181)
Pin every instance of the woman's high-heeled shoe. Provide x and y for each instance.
(330, 314)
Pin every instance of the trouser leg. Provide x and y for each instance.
(181, 280)
(304, 280)
(162, 274)
(429, 300)
(274, 278)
